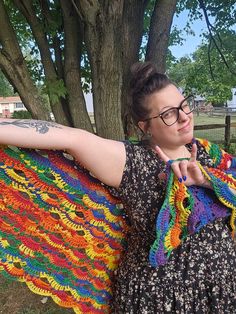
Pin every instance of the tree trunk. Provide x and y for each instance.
(73, 43)
(113, 34)
(160, 26)
(103, 41)
(132, 31)
(14, 67)
(52, 80)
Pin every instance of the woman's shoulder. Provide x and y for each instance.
(140, 151)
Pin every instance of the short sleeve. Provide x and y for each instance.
(140, 173)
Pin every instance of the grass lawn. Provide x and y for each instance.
(205, 119)
(16, 298)
(213, 134)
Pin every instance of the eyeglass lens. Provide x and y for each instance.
(171, 115)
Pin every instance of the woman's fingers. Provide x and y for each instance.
(179, 167)
(183, 165)
(174, 164)
(161, 154)
(184, 169)
(193, 157)
(176, 169)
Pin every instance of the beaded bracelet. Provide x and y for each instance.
(171, 161)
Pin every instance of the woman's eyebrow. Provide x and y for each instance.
(168, 107)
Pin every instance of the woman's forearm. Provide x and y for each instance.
(33, 133)
(100, 156)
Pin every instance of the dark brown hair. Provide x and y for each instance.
(145, 80)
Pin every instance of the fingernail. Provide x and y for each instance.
(184, 178)
(193, 141)
(180, 180)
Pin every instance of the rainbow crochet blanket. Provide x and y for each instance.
(61, 232)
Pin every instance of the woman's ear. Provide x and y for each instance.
(142, 126)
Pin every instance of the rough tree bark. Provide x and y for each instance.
(29, 11)
(13, 65)
(72, 70)
(112, 35)
(159, 33)
(132, 30)
(103, 22)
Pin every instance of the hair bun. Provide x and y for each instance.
(145, 80)
(141, 72)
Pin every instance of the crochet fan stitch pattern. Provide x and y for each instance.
(187, 209)
(61, 232)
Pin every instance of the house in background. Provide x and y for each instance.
(203, 106)
(8, 105)
(232, 102)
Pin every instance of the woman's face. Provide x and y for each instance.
(179, 133)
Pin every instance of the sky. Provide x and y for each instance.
(191, 42)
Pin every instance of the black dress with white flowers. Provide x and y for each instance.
(200, 275)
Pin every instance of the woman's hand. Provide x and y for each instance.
(186, 170)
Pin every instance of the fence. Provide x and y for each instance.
(227, 126)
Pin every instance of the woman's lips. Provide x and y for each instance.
(185, 128)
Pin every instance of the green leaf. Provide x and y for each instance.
(55, 90)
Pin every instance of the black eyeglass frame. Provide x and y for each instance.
(178, 108)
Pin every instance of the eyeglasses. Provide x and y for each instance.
(171, 115)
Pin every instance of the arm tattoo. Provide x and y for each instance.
(41, 127)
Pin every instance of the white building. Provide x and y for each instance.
(232, 103)
(8, 105)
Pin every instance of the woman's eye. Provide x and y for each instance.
(185, 105)
(168, 114)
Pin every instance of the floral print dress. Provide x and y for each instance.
(200, 275)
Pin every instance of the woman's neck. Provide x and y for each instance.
(175, 152)
(178, 152)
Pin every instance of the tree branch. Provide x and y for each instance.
(211, 28)
(56, 42)
(87, 10)
(160, 26)
(209, 59)
(77, 10)
(73, 38)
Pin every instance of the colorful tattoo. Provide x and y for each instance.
(41, 127)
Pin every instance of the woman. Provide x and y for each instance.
(198, 276)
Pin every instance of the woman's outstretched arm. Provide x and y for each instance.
(104, 158)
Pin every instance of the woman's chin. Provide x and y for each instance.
(187, 138)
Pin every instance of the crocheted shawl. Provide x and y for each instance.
(187, 209)
(62, 233)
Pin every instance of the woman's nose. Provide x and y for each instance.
(182, 115)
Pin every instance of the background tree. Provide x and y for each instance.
(5, 87)
(207, 73)
(57, 48)
(64, 35)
